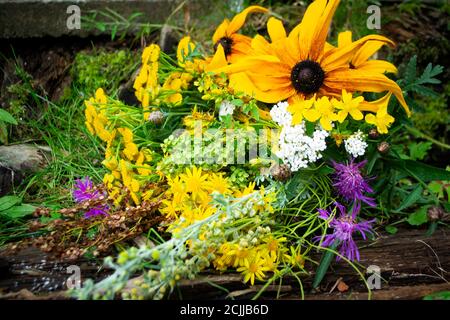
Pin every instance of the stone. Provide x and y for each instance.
(16, 161)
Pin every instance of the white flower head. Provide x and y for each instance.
(355, 145)
(226, 108)
(297, 149)
(280, 114)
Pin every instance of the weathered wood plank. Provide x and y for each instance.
(412, 265)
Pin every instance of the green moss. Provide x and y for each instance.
(434, 114)
(103, 69)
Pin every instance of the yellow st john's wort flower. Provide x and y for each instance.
(235, 46)
(382, 120)
(326, 112)
(303, 108)
(302, 64)
(348, 105)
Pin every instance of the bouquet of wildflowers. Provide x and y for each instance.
(257, 155)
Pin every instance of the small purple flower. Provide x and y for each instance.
(350, 184)
(345, 226)
(83, 191)
(97, 211)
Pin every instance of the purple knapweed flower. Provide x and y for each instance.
(345, 225)
(350, 184)
(83, 191)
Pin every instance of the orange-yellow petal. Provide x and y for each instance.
(239, 20)
(276, 29)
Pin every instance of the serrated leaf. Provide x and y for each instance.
(411, 70)
(19, 211)
(5, 116)
(419, 217)
(7, 202)
(424, 91)
(418, 151)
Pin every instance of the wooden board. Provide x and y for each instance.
(411, 265)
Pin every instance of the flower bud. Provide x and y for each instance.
(156, 117)
(435, 213)
(383, 147)
(280, 172)
(373, 134)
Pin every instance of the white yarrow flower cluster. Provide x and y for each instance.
(355, 145)
(226, 108)
(296, 148)
(280, 114)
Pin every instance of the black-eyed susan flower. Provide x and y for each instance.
(302, 64)
(235, 45)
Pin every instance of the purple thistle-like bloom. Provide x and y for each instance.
(345, 226)
(97, 211)
(83, 191)
(350, 184)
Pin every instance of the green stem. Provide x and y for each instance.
(420, 134)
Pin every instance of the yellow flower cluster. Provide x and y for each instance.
(96, 117)
(127, 162)
(128, 165)
(254, 261)
(146, 83)
(328, 110)
(189, 195)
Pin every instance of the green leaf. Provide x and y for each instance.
(5, 116)
(443, 295)
(7, 202)
(419, 217)
(418, 151)
(391, 229)
(436, 188)
(237, 102)
(19, 211)
(411, 70)
(412, 198)
(420, 170)
(324, 264)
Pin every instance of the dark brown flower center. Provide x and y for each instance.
(226, 44)
(307, 77)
